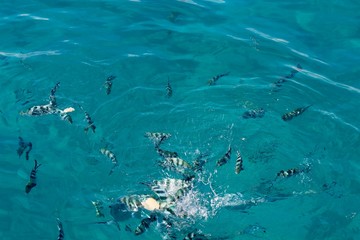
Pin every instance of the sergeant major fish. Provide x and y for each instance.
(168, 187)
(176, 164)
(22, 146)
(61, 230)
(50, 108)
(169, 90)
(292, 172)
(225, 158)
(290, 115)
(89, 121)
(279, 82)
(157, 137)
(134, 202)
(108, 84)
(145, 224)
(239, 163)
(214, 79)
(254, 113)
(288, 173)
(112, 157)
(32, 181)
(165, 153)
(98, 208)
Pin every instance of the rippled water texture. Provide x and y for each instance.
(276, 57)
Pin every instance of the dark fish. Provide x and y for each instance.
(145, 224)
(108, 84)
(98, 208)
(200, 162)
(52, 98)
(61, 230)
(173, 16)
(196, 236)
(254, 113)
(169, 90)
(112, 157)
(127, 228)
(239, 163)
(32, 182)
(213, 80)
(120, 212)
(28, 151)
(225, 158)
(279, 82)
(290, 115)
(22, 146)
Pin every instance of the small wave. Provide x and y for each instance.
(264, 35)
(33, 17)
(30, 54)
(329, 81)
(191, 2)
(307, 56)
(334, 116)
(138, 55)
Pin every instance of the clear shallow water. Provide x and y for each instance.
(144, 43)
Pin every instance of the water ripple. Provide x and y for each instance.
(30, 54)
(331, 82)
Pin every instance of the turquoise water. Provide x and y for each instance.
(145, 43)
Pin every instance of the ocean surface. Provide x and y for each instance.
(276, 56)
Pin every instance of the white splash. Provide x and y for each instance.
(193, 205)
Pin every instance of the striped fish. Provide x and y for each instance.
(176, 164)
(61, 230)
(112, 157)
(22, 146)
(39, 110)
(50, 108)
(239, 163)
(98, 208)
(223, 160)
(284, 79)
(290, 115)
(196, 236)
(214, 79)
(52, 99)
(65, 116)
(293, 171)
(32, 181)
(47, 108)
(89, 121)
(165, 153)
(108, 84)
(254, 113)
(157, 137)
(169, 90)
(145, 224)
(288, 173)
(133, 202)
(168, 187)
